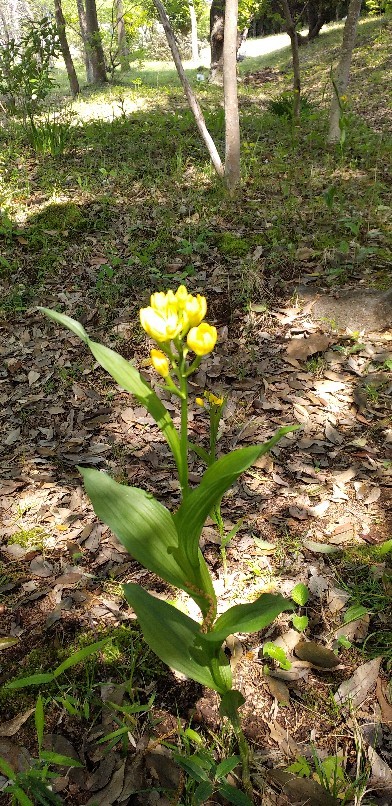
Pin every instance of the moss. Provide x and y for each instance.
(233, 245)
(29, 538)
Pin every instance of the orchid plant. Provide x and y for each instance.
(166, 543)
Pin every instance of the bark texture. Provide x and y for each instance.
(192, 101)
(232, 123)
(342, 72)
(65, 51)
(94, 43)
(194, 39)
(290, 27)
(123, 50)
(217, 26)
(84, 35)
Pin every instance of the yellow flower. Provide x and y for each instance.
(216, 401)
(160, 363)
(202, 339)
(160, 326)
(195, 309)
(343, 98)
(200, 402)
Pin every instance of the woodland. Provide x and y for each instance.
(195, 402)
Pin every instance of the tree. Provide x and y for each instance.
(84, 35)
(342, 72)
(292, 32)
(65, 51)
(123, 51)
(194, 39)
(232, 124)
(217, 27)
(95, 44)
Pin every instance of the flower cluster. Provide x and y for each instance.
(174, 316)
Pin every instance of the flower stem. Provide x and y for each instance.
(184, 429)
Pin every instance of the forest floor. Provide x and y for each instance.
(296, 271)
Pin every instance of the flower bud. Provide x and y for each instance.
(160, 363)
(202, 339)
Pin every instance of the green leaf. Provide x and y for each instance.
(193, 512)
(300, 767)
(300, 622)
(22, 797)
(321, 548)
(33, 680)
(6, 769)
(384, 548)
(200, 452)
(6, 641)
(130, 379)
(115, 734)
(249, 617)
(176, 638)
(66, 321)
(57, 758)
(276, 653)
(226, 766)
(147, 530)
(202, 792)
(234, 795)
(230, 702)
(192, 767)
(78, 657)
(343, 641)
(300, 594)
(39, 718)
(355, 612)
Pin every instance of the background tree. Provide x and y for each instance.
(84, 35)
(123, 50)
(342, 72)
(292, 32)
(95, 43)
(65, 51)
(232, 123)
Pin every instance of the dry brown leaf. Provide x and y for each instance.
(278, 689)
(302, 790)
(386, 708)
(357, 687)
(12, 727)
(336, 599)
(283, 739)
(317, 655)
(333, 435)
(112, 791)
(381, 776)
(302, 348)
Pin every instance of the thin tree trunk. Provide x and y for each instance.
(217, 22)
(84, 35)
(95, 43)
(123, 52)
(195, 43)
(232, 122)
(66, 54)
(193, 104)
(290, 27)
(342, 72)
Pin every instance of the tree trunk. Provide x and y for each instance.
(60, 22)
(217, 23)
(84, 35)
(123, 51)
(193, 104)
(95, 43)
(342, 72)
(290, 27)
(195, 43)
(232, 122)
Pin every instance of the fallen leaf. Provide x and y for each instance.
(13, 725)
(381, 775)
(302, 790)
(40, 567)
(302, 348)
(283, 739)
(333, 435)
(6, 641)
(356, 688)
(33, 376)
(318, 584)
(386, 708)
(336, 599)
(278, 689)
(320, 548)
(316, 654)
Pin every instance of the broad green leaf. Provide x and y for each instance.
(6, 769)
(66, 321)
(147, 530)
(300, 623)
(57, 758)
(300, 594)
(79, 656)
(39, 718)
(276, 653)
(384, 548)
(23, 799)
(172, 636)
(216, 480)
(202, 792)
(234, 795)
(354, 612)
(33, 680)
(249, 617)
(226, 766)
(130, 379)
(192, 767)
